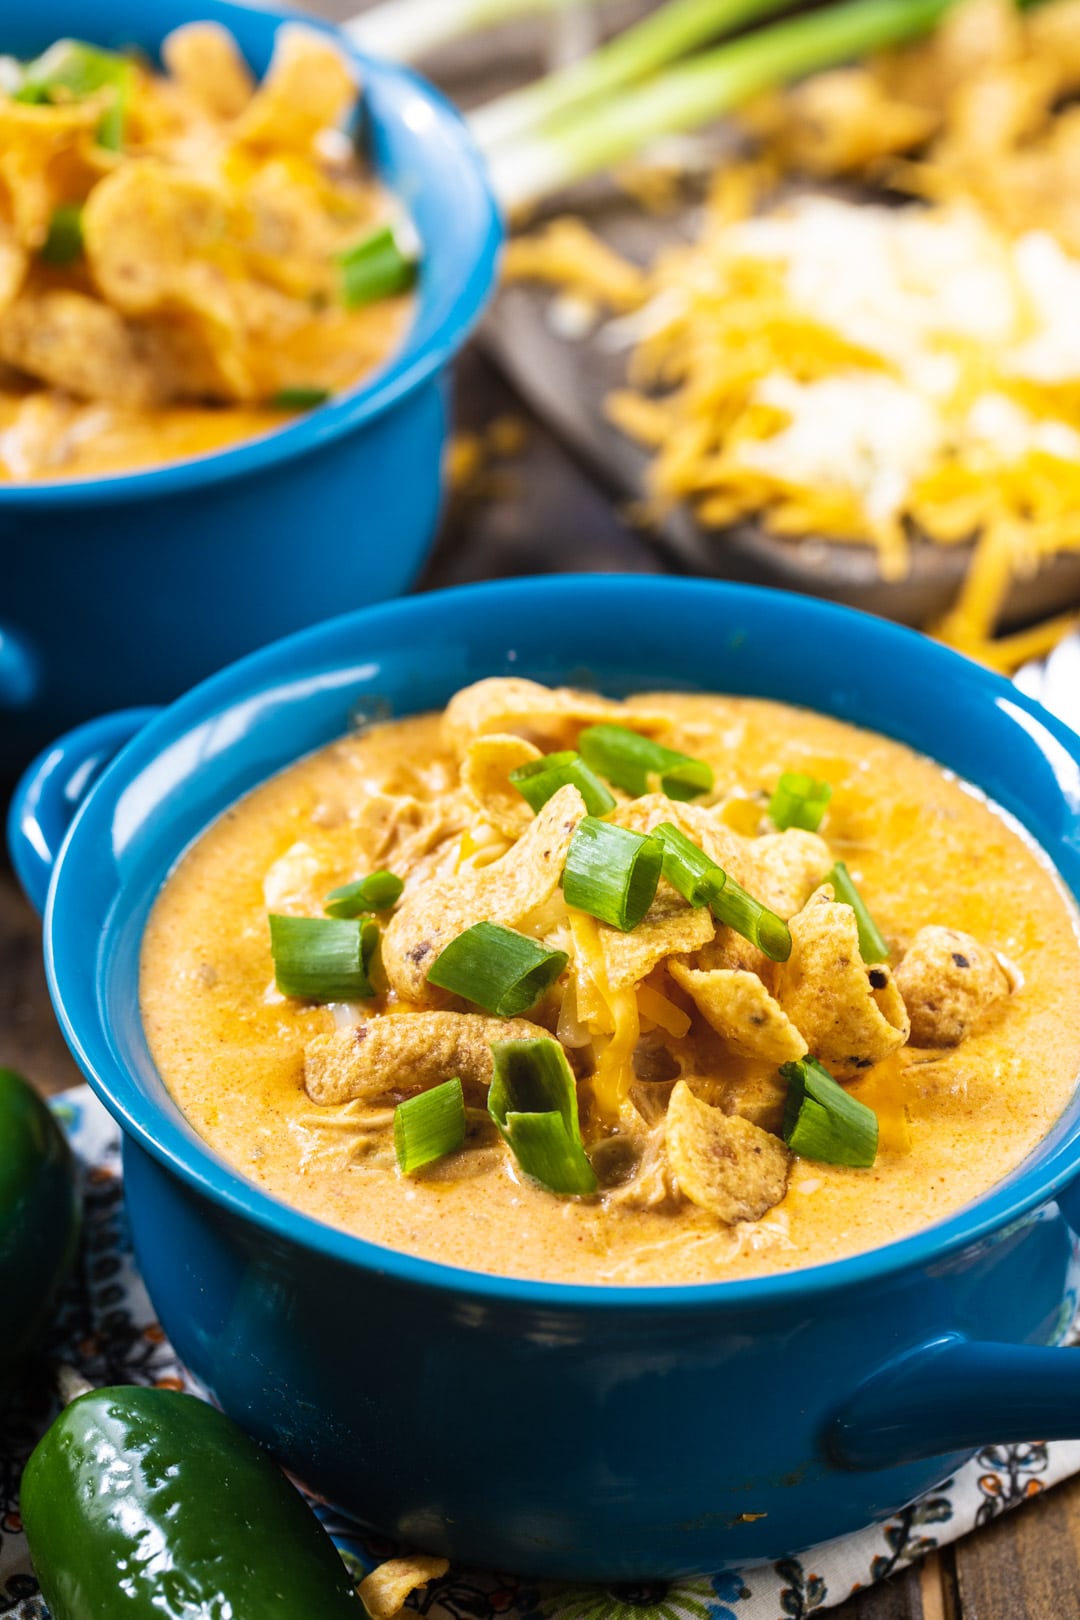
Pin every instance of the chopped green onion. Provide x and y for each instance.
(701, 881)
(299, 399)
(687, 868)
(599, 134)
(77, 70)
(872, 947)
(323, 958)
(799, 801)
(628, 759)
(540, 779)
(64, 243)
(31, 95)
(377, 267)
(755, 922)
(671, 31)
(533, 1101)
(110, 130)
(375, 892)
(611, 873)
(73, 66)
(823, 1121)
(502, 971)
(429, 1126)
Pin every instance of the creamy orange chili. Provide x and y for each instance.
(175, 250)
(965, 1042)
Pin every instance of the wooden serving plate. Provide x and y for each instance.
(565, 380)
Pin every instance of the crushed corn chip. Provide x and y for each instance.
(506, 892)
(948, 981)
(309, 86)
(553, 718)
(669, 926)
(41, 148)
(740, 1008)
(722, 1162)
(790, 866)
(80, 345)
(485, 776)
(388, 1058)
(852, 1016)
(206, 63)
(384, 1591)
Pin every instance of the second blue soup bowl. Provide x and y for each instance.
(129, 588)
(581, 1432)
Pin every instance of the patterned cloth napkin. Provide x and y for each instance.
(106, 1328)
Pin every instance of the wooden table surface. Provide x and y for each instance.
(536, 511)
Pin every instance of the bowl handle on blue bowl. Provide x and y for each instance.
(955, 1394)
(50, 791)
(19, 672)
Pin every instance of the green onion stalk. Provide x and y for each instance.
(541, 779)
(823, 1121)
(582, 143)
(672, 31)
(499, 969)
(533, 1101)
(408, 29)
(323, 958)
(429, 1126)
(628, 759)
(872, 944)
(612, 873)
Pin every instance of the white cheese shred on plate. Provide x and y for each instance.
(857, 373)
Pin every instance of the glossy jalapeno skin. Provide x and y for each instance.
(154, 1504)
(39, 1217)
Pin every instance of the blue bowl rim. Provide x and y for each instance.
(1031, 1186)
(390, 383)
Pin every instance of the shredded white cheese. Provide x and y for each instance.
(865, 431)
(918, 290)
(889, 280)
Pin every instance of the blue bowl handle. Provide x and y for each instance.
(51, 790)
(956, 1394)
(19, 673)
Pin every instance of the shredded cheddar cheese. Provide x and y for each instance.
(612, 1017)
(868, 374)
(862, 374)
(658, 1010)
(615, 1062)
(883, 1091)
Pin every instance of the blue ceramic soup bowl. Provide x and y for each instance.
(584, 1432)
(129, 588)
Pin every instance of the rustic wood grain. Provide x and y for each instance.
(30, 1039)
(536, 512)
(1026, 1565)
(895, 1599)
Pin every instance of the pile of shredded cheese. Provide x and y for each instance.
(870, 373)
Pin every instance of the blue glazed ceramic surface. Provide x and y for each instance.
(130, 588)
(582, 1432)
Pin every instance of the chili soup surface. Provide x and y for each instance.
(188, 257)
(680, 1035)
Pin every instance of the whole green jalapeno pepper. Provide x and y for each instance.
(39, 1218)
(153, 1505)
